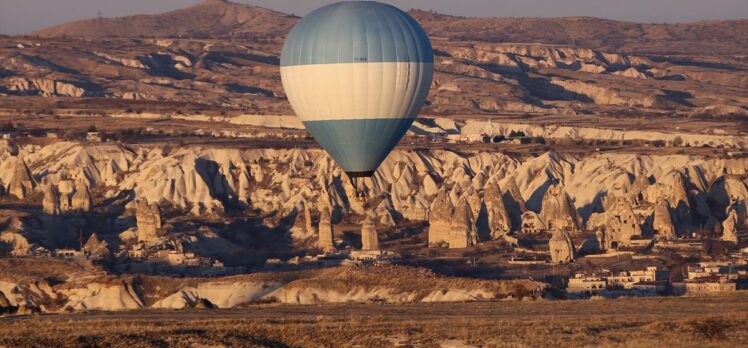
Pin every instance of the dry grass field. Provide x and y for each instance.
(645, 322)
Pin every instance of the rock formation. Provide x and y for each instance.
(81, 200)
(602, 240)
(474, 201)
(463, 233)
(440, 218)
(513, 200)
(97, 248)
(558, 210)
(622, 224)
(561, 247)
(369, 235)
(21, 183)
(499, 221)
(617, 191)
(326, 240)
(302, 225)
(662, 223)
(5, 305)
(532, 223)
(15, 242)
(730, 226)
(308, 226)
(679, 199)
(66, 188)
(148, 217)
(51, 201)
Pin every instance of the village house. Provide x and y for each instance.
(627, 279)
(586, 284)
(649, 281)
(705, 285)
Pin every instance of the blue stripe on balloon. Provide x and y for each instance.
(357, 32)
(359, 145)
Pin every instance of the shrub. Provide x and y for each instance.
(8, 127)
(711, 329)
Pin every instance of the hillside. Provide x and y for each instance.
(222, 55)
(221, 18)
(728, 37)
(212, 18)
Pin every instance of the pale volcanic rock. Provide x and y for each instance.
(440, 219)
(222, 294)
(185, 178)
(51, 200)
(561, 247)
(730, 226)
(17, 243)
(463, 232)
(558, 210)
(728, 190)
(678, 196)
(303, 225)
(509, 186)
(97, 248)
(308, 225)
(4, 302)
(66, 188)
(513, 200)
(532, 223)
(99, 164)
(45, 87)
(622, 224)
(430, 187)
(475, 202)
(592, 68)
(107, 297)
(632, 73)
(384, 212)
(149, 221)
(617, 191)
(326, 240)
(201, 179)
(499, 221)
(603, 242)
(455, 194)
(503, 61)
(21, 183)
(535, 174)
(369, 235)
(81, 200)
(663, 223)
(611, 96)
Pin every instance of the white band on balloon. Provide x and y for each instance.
(351, 91)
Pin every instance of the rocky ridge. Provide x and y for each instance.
(205, 180)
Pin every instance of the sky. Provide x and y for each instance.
(23, 16)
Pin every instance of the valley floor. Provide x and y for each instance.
(631, 322)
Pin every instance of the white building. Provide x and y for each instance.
(581, 283)
(627, 279)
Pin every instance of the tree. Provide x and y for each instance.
(678, 141)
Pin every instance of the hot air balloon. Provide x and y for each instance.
(357, 74)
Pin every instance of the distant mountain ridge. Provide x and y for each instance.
(714, 37)
(211, 18)
(221, 19)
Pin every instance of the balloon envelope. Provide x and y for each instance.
(357, 74)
